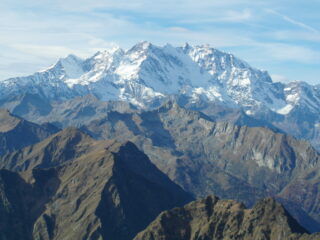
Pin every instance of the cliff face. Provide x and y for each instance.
(212, 218)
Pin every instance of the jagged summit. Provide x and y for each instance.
(141, 74)
(212, 218)
(146, 74)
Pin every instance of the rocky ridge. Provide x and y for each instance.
(103, 190)
(212, 218)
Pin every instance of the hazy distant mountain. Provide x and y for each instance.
(98, 190)
(212, 218)
(81, 110)
(16, 133)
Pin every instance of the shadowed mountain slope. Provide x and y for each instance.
(103, 190)
(16, 133)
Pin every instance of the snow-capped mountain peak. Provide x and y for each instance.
(147, 73)
(71, 66)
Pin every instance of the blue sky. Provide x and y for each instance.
(281, 36)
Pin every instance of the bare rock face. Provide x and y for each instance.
(211, 219)
(95, 190)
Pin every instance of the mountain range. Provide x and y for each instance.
(103, 145)
(202, 156)
(207, 157)
(87, 190)
(200, 77)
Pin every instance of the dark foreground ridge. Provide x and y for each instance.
(214, 219)
(103, 190)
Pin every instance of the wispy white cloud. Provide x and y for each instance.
(296, 35)
(224, 16)
(164, 7)
(178, 29)
(238, 16)
(294, 53)
(280, 78)
(287, 52)
(293, 21)
(49, 51)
